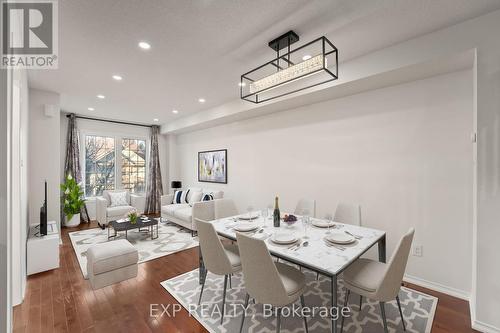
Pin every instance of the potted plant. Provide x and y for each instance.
(132, 216)
(72, 201)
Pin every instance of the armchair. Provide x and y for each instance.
(105, 213)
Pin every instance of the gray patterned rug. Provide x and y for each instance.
(418, 308)
(171, 239)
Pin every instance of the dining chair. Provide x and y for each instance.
(268, 282)
(379, 281)
(348, 214)
(218, 259)
(306, 205)
(225, 208)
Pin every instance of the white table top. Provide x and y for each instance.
(317, 255)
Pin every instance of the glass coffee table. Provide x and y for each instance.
(151, 224)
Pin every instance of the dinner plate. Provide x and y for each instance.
(251, 216)
(284, 238)
(340, 238)
(244, 227)
(322, 223)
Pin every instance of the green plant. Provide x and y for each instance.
(132, 216)
(72, 197)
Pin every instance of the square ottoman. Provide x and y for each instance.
(111, 262)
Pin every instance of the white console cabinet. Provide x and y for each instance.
(42, 251)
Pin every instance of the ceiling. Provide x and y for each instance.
(200, 48)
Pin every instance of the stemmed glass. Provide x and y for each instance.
(329, 218)
(249, 210)
(305, 221)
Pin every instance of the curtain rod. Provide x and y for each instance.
(109, 121)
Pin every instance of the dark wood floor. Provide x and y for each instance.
(62, 301)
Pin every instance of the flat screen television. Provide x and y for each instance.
(43, 214)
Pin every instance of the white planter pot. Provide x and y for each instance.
(74, 222)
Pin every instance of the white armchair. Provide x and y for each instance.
(105, 213)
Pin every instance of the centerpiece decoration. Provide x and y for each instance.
(132, 216)
(72, 201)
(290, 219)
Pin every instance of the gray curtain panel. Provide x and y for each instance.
(154, 189)
(72, 162)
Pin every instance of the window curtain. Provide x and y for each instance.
(72, 162)
(154, 188)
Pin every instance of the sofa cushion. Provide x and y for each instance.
(109, 256)
(170, 209)
(118, 199)
(180, 197)
(184, 214)
(195, 197)
(119, 211)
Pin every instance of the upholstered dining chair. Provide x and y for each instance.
(268, 282)
(218, 259)
(379, 281)
(224, 208)
(308, 205)
(348, 214)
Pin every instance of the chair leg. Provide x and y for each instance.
(231, 281)
(401, 313)
(244, 310)
(202, 287)
(317, 276)
(360, 302)
(278, 321)
(347, 293)
(303, 305)
(223, 299)
(382, 311)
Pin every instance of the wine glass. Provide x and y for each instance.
(305, 221)
(329, 218)
(249, 210)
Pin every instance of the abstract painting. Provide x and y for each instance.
(212, 166)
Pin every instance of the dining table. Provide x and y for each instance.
(311, 250)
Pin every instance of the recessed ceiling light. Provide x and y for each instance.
(242, 84)
(117, 77)
(144, 45)
(175, 111)
(101, 96)
(156, 120)
(90, 109)
(201, 100)
(306, 57)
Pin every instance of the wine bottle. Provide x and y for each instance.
(276, 214)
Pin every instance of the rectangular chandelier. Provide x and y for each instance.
(310, 65)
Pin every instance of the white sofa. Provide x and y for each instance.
(105, 213)
(183, 214)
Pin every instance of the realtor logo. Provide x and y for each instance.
(29, 34)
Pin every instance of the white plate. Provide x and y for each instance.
(284, 238)
(244, 227)
(252, 216)
(340, 238)
(322, 223)
(122, 220)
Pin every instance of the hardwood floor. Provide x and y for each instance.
(62, 301)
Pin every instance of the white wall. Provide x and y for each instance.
(19, 183)
(118, 130)
(403, 153)
(44, 155)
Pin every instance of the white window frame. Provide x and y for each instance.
(118, 137)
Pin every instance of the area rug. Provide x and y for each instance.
(171, 239)
(418, 308)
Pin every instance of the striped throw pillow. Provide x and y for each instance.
(180, 197)
(207, 197)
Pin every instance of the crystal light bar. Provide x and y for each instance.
(306, 67)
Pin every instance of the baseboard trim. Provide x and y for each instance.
(438, 287)
(485, 328)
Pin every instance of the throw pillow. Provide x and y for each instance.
(180, 197)
(118, 199)
(207, 197)
(195, 197)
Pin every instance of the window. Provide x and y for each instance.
(114, 163)
(99, 164)
(134, 165)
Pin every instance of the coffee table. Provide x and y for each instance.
(151, 223)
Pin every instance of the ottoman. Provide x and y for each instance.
(111, 262)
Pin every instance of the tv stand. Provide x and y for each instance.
(42, 251)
